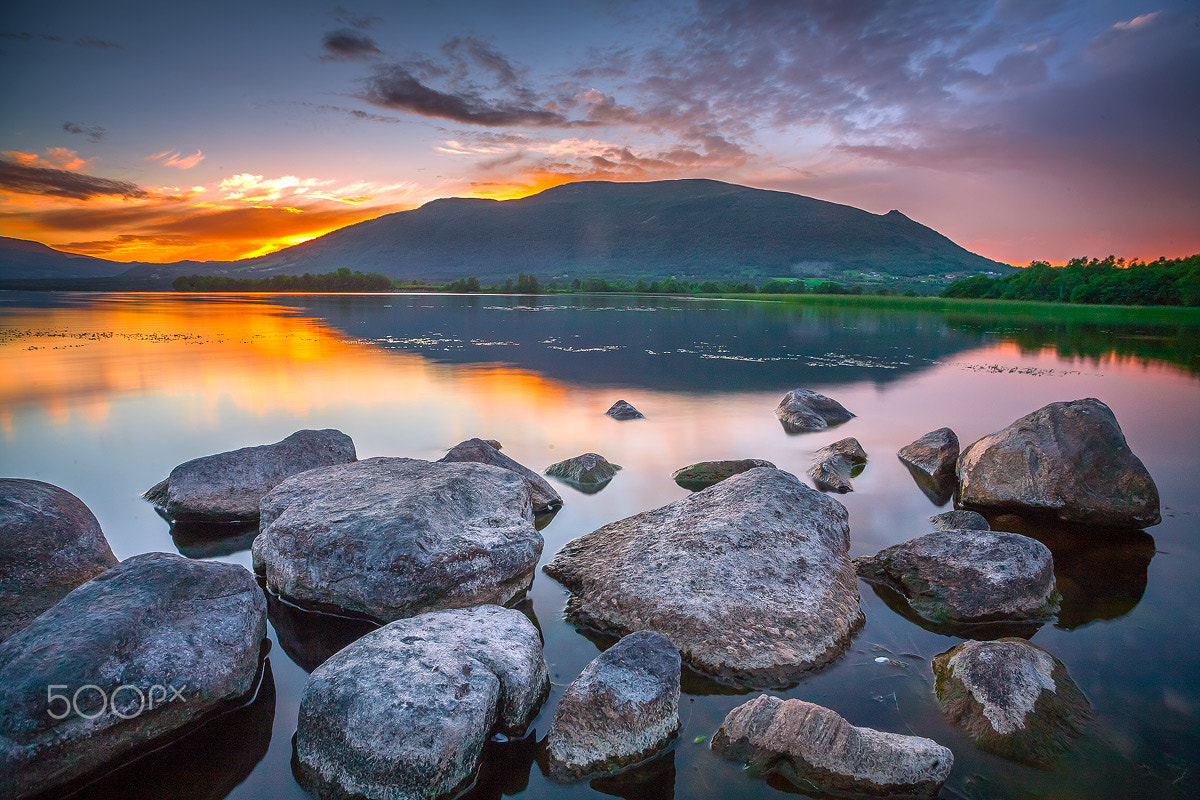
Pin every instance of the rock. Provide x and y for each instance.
(1012, 698)
(228, 487)
(51, 544)
(622, 708)
(477, 450)
(588, 471)
(808, 744)
(149, 647)
(934, 454)
(704, 474)
(804, 410)
(622, 410)
(404, 712)
(960, 520)
(834, 465)
(968, 576)
(494, 443)
(1067, 460)
(750, 578)
(395, 537)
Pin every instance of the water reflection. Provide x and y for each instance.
(650, 780)
(210, 540)
(939, 490)
(206, 764)
(311, 637)
(1101, 573)
(961, 630)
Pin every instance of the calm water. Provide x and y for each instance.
(104, 394)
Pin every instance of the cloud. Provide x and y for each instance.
(102, 44)
(360, 21)
(53, 157)
(93, 132)
(20, 175)
(1136, 22)
(175, 159)
(347, 45)
(393, 86)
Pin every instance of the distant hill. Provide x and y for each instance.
(24, 259)
(684, 228)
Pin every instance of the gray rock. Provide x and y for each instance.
(51, 544)
(153, 625)
(1012, 698)
(749, 578)
(934, 454)
(588, 470)
(960, 520)
(1068, 460)
(805, 410)
(968, 576)
(404, 712)
(395, 537)
(622, 410)
(704, 474)
(494, 443)
(622, 708)
(478, 451)
(228, 487)
(834, 465)
(808, 744)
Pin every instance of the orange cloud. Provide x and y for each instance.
(176, 159)
(53, 158)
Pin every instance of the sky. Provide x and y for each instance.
(1022, 129)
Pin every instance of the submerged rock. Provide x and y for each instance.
(1069, 460)
(808, 744)
(805, 410)
(968, 576)
(478, 451)
(834, 465)
(934, 454)
(706, 473)
(749, 578)
(51, 543)
(403, 713)
(1012, 698)
(134, 655)
(623, 707)
(622, 410)
(395, 537)
(588, 471)
(960, 520)
(228, 487)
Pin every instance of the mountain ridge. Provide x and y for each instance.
(689, 229)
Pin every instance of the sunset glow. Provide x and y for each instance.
(1022, 132)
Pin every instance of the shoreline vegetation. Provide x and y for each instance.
(1082, 283)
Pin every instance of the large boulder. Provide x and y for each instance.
(1068, 460)
(1012, 698)
(968, 576)
(395, 537)
(622, 410)
(835, 464)
(589, 472)
(750, 578)
(622, 708)
(403, 713)
(51, 544)
(705, 473)
(131, 657)
(934, 454)
(805, 410)
(228, 487)
(811, 745)
(480, 452)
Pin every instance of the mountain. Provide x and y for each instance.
(690, 229)
(24, 259)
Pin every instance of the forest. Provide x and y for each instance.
(1109, 281)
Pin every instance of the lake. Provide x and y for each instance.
(102, 394)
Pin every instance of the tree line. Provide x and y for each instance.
(341, 281)
(1109, 281)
